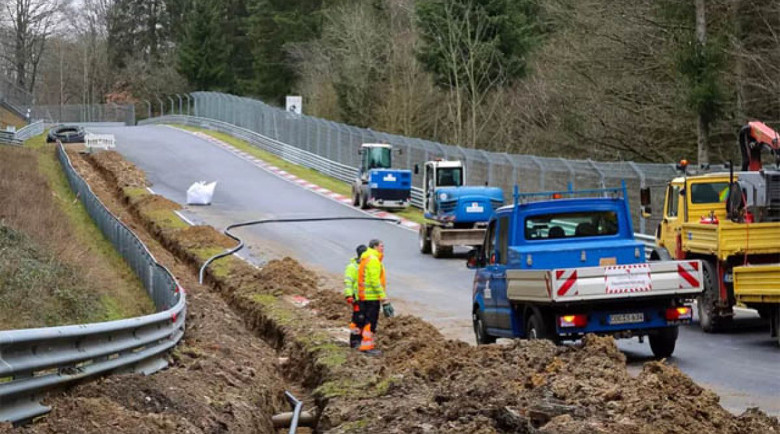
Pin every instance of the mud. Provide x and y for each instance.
(422, 383)
(222, 377)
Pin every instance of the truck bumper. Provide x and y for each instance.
(389, 204)
(603, 323)
(459, 237)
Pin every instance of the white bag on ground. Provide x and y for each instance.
(200, 193)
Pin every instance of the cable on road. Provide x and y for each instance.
(289, 220)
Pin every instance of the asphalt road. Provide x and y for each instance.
(742, 366)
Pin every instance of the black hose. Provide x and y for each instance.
(290, 220)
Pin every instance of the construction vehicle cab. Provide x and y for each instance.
(377, 185)
(455, 214)
(731, 222)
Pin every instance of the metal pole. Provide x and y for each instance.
(542, 171)
(189, 107)
(162, 106)
(571, 170)
(149, 108)
(642, 184)
(180, 103)
(173, 105)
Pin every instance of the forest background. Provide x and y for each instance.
(642, 80)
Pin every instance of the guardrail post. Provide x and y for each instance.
(162, 106)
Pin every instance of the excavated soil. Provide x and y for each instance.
(222, 377)
(421, 383)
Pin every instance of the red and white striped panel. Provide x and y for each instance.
(689, 271)
(565, 282)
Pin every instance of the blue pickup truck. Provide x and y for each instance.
(559, 265)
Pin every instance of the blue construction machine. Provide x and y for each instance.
(377, 185)
(456, 214)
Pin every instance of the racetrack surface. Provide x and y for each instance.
(742, 365)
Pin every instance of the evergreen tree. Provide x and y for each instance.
(204, 50)
(273, 25)
(493, 36)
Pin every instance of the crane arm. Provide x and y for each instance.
(754, 138)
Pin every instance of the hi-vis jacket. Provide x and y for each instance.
(371, 276)
(351, 279)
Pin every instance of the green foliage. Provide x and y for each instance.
(272, 26)
(204, 51)
(700, 66)
(493, 37)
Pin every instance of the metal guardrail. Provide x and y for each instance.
(17, 138)
(35, 360)
(303, 158)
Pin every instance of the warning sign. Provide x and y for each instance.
(622, 279)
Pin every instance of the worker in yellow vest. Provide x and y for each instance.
(351, 293)
(371, 294)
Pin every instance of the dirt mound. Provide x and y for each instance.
(155, 203)
(196, 237)
(286, 276)
(124, 172)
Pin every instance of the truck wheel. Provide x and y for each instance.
(363, 200)
(425, 241)
(709, 319)
(662, 343)
(439, 251)
(537, 329)
(480, 331)
(355, 197)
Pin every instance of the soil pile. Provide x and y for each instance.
(221, 378)
(125, 173)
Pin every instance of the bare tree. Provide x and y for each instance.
(703, 124)
(32, 23)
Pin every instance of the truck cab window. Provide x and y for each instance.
(503, 240)
(709, 192)
(673, 201)
(490, 238)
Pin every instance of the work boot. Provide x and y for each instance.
(372, 353)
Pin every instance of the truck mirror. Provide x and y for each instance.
(644, 196)
(360, 151)
(416, 169)
(472, 260)
(644, 200)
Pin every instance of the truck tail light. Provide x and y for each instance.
(678, 313)
(577, 321)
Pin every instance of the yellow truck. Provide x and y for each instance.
(731, 222)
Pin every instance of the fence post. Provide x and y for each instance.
(542, 171)
(600, 172)
(570, 169)
(642, 184)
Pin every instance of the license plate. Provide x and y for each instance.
(626, 318)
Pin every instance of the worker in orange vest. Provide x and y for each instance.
(371, 294)
(351, 293)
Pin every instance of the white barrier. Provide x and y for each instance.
(100, 141)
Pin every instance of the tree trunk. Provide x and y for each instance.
(703, 155)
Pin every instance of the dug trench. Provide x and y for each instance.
(422, 382)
